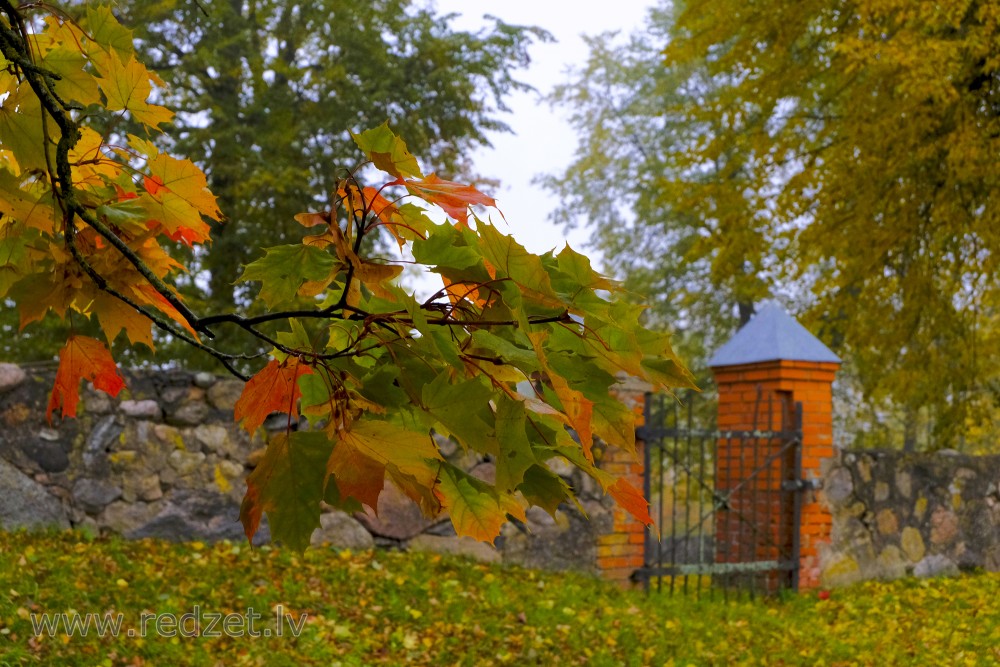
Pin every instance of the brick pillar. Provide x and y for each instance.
(774, 356)
(621, 551)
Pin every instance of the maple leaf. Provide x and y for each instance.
(21, 127)
(577, 407)
(115, 315)
(127, 85)
(274, 388)
(631, 499)
(358, 475)
(146, 294)
(184, 179)
(288, 484)
(454, 198)
(371, 449)
(82, 358)
(475, 507)
(107, 31)
(75, 83)
(387, 151)
(284, 269)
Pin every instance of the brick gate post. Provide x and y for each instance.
(775, 355)
(620, 551)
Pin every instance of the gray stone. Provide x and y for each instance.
(196, 515)
(447, 446)
(567, 542)
(50, 456)
(24, 503)
(398, 517)
(224, 394)
(49, 434)
(124, 518)
(904, 483)
(891, 563)
(146, 409)
(204, 380)
(191, 413)
(172, 396)
(838, 486)
(864, 468)
(233, 476)
(95, 451)
(485, 471)
(96, 403)
(94, 495)
(560, 466)
(341, 531)
(935, 565)
(215, 438)
(881, 492)
(186, 463)
(537, 517)
(11, 375)
(169, 435)
(455, 546)
(841, 570)
(145, 487)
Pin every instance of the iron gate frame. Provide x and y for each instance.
(656, 437)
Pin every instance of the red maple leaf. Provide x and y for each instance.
(454, 198)
(275, 388)
(82, 358)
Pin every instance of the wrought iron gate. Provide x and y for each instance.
(727, 503)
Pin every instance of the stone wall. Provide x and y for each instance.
(165, 460)
(897, 514)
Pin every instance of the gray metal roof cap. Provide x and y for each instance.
(772, 335)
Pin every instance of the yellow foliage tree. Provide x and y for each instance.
(844, 152)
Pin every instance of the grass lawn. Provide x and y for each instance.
(392, 608)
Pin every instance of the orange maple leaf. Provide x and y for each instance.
(274, 389)
(631, 499)
(87, 359)
(453, 197)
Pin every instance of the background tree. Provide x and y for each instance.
(627, 183)
(91, 221)
(844, 152)
(265, 91)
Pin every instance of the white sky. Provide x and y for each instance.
(543, 142)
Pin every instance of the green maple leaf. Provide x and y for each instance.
(388, 152)
(21, 128)
(288, 484)
(477, 510)
(515, 456)
(544, 488)
(283, 269)
(462, 410)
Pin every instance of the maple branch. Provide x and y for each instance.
(396, 317)
(16, 50)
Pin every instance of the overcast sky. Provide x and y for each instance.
(543, 142)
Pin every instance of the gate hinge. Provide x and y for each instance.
(802, 485)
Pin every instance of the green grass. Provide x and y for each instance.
(392, 608)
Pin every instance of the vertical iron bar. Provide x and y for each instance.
(797, 501)
(771, 520)
(647, 473)
(687, 494)
(660, 476)
(673, 495)
(702, 485)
